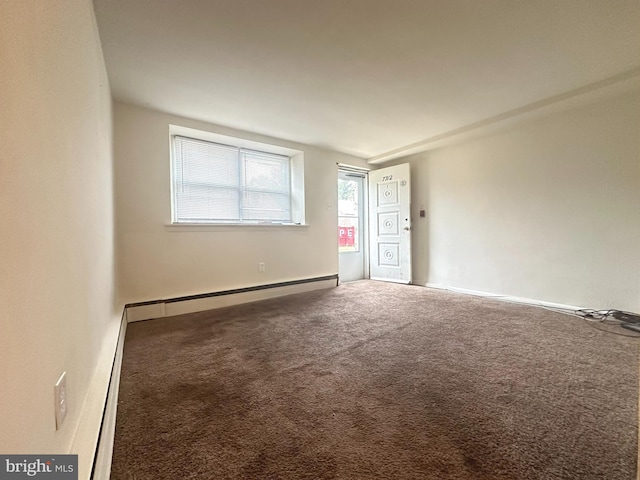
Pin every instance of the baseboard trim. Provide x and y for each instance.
(507, 298)
(207, 301)
(102, 461)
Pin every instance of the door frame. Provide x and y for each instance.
(364, 212)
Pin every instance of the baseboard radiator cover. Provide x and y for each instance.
(102, 460)
(136, 312)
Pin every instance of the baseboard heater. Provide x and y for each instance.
(101, 469)
(207, 301)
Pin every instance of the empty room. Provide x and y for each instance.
(332, 239)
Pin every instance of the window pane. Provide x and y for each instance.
(265, 172)
(209, 163)
(348, 221)
(221, 183)
(258, 205)
(348, 234)
(203, 204)
(348, 197)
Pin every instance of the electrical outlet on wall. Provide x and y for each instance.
(60, 399)
(262, 267)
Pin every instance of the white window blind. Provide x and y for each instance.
(215, 183)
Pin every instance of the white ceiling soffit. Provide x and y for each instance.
(373, 78)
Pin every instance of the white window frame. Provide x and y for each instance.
(296, 176)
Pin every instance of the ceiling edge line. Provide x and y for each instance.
(423, 145)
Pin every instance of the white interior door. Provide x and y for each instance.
(351, 226)
(390, 224)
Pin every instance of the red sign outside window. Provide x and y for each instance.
(346, 236)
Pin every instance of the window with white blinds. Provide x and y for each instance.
(216, 183)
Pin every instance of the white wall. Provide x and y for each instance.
(57, 302)
(157, 262)
(548, 209)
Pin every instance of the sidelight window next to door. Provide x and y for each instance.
(348, 214)
(351, 226)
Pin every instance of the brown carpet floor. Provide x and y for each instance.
(376, 380)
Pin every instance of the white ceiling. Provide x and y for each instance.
(364, 77)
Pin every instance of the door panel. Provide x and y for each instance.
(390, 224)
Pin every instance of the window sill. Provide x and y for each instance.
(209, 227)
